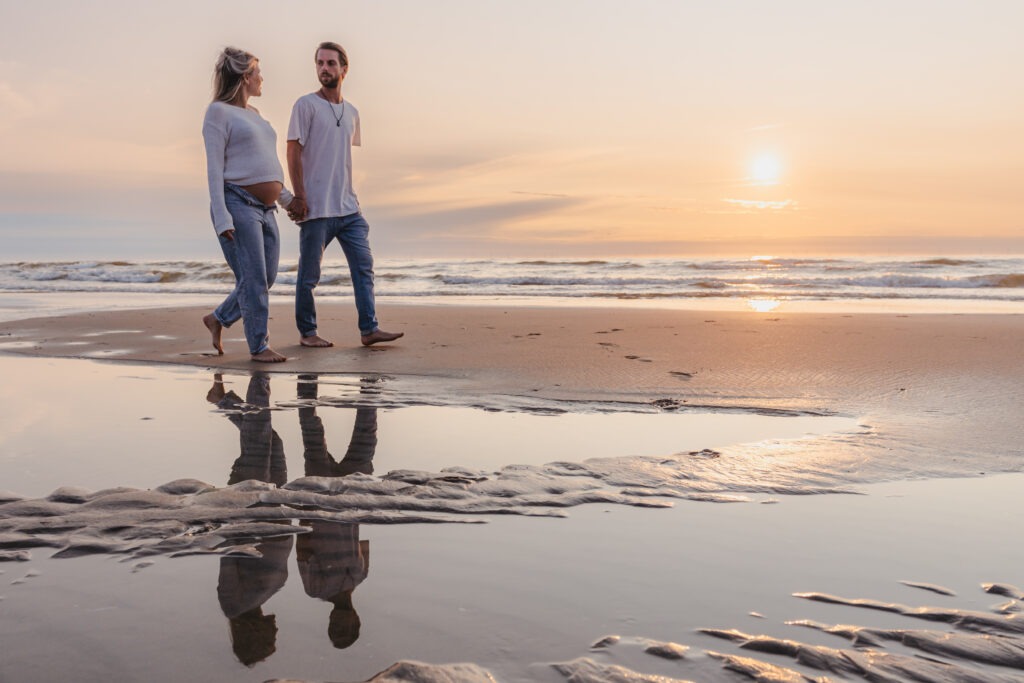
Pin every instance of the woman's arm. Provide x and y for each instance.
(215, 138)
(286, 198)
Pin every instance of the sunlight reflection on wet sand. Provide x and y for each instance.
(513, 596)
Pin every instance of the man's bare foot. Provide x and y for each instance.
(316, 342)
(215, 328)
(268, 356)
(380, 336)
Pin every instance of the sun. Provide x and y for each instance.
(765, 170)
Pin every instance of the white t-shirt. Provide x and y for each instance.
(326, 154)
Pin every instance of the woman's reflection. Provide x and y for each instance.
(331, 559)
(246, 583)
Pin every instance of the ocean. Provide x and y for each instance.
(981, 281)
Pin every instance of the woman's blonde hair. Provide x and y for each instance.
(232, 66)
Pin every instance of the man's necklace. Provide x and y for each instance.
(337, 119)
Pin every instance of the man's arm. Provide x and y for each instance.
(297, 209)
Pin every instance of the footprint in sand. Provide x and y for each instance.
(638, 358)
(680, 374)
(31, 574)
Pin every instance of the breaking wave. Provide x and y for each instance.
(794, 278)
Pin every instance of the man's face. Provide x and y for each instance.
(328, 69)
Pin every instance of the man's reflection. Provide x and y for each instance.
(319, 462)
(246, 583)
(331, 559)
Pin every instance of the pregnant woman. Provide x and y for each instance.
(245, 180)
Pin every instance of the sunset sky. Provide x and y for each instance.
(561, 127)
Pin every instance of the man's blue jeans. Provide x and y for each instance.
(253, 256)
(352, 233)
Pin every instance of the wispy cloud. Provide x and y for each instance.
(15, 105)
(539, 194)
(480, 222)
(762, 205)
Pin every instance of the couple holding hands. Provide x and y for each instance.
(246, 181)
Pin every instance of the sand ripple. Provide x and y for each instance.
(976, 647)
(188, 516)
(960, 655)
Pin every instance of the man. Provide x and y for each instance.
(322, 130)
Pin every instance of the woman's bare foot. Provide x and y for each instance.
(216, 392)
(316, 341)
(268, 356)
(215, 328)
(380, 336)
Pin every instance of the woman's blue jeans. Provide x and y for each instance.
(353, 234)
(253, 256)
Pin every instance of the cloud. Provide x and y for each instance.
(751, 205)
(14, 105)
(29, 96)
(475, 223)
(539, 194)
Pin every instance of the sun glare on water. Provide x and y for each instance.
(763, 305)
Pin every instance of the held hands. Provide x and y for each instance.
(297, 209)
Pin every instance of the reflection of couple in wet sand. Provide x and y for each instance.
(331, 559)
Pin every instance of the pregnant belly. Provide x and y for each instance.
(267, 192)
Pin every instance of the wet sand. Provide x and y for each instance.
(579, 571)
(796, 361)
(938, 394)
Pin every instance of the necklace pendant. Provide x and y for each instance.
(338, 124)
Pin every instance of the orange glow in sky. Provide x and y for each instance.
(529, 127)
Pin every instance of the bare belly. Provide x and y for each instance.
(267, 192)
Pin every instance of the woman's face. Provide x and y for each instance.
(254, 81)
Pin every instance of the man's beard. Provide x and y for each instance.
(329, 81)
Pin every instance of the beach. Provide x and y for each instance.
(711, 364)
(722, 358)
(541, 489)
